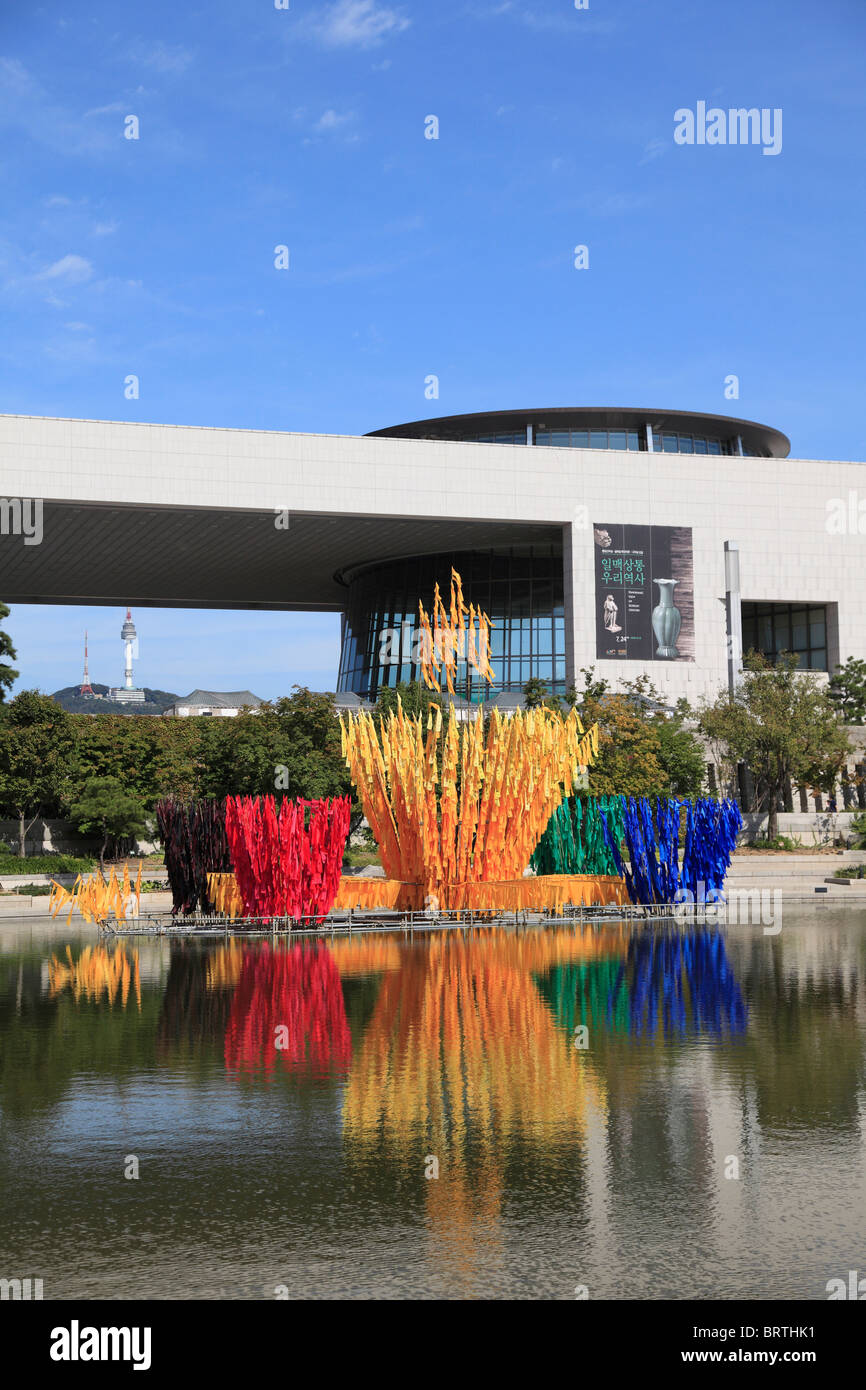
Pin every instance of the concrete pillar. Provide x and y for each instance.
(733, 616)
(568, 603)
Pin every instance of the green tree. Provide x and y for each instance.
(8, 676)
(535, 693)
(680, 752)
(35, 760)
(847, 690)
(414, 697)
(290, 747)
(644, 749)
(783, 725)
(107, 809)
(681, 756)
(150, 756)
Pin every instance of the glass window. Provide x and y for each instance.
(671, 443)
(782, 633)
(713, 446)
(616, 439)
(559, 439)
(598, 439)
(657, 443)
(580, 439)
(686, 445)
(633, 439)
(700, 445)
(542, 437)
(781, 627)
(799, 630)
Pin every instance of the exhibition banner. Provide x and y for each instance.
(644, 593)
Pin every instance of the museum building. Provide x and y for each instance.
(635, 541)
(522, 587)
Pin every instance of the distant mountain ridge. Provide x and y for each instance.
(154, 702)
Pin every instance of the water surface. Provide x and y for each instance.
(285, 1105)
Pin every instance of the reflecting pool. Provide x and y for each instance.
(651, 1113)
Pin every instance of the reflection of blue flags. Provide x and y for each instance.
(670, 982)
(679, 982)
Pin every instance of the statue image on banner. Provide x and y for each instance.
(644, 588)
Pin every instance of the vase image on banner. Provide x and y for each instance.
(666, 620)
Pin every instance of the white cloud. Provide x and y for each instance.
(653, 149)
(71, 269)
(358, 23)
(105, 228)
(161, 56)
(113, 109)
(332, 120)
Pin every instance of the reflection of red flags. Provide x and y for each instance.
(297, 989)
(287, 863)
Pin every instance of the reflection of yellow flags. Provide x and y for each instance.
(461, 1046)
(461, 1061)
(224, 965)
(97, 971)
(95, 898)
(473, 814)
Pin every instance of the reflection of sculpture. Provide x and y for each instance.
(666, 620)
(288, 1007)
(97, 971)
(610, 612)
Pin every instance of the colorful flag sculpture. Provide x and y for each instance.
(193, 833)
(654, 873)
(574, 841)
(287, 862)
(96, 899)
(451, 638)
(446, 823)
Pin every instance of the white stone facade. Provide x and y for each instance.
(779, 511)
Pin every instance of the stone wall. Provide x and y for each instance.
(57, 836)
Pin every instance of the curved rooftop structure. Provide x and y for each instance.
(603, 427)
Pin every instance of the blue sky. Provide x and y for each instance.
(410, 256)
